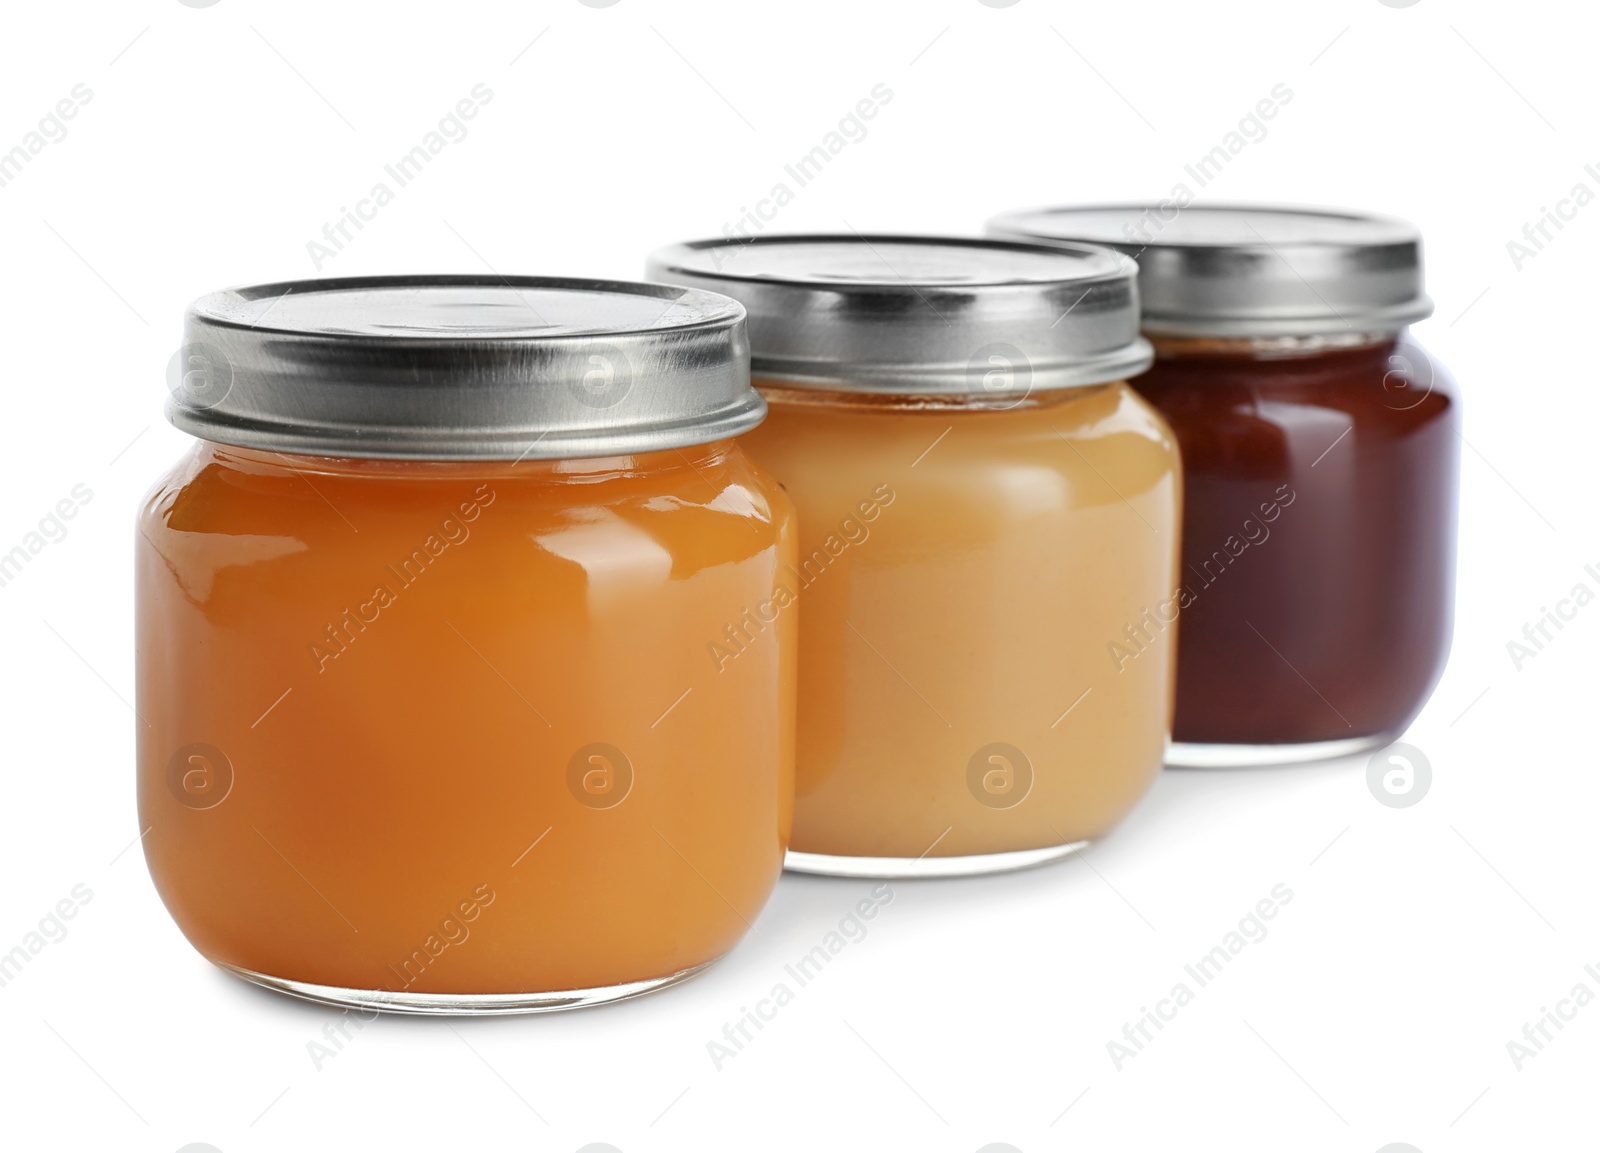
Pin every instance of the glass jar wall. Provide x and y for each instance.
(446, 735)
(379, 696)
(967, 574)
(986, 513)
(1319, 542)
(1320, 462)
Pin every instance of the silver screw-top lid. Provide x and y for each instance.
(463, 368)
(924, 315)
(1235, 270)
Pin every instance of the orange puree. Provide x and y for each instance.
(452, 727)
(966, 569)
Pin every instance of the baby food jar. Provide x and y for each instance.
(1320, 464)
(426, 718)
(985, 510)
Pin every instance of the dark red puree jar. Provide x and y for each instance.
(1320, 468)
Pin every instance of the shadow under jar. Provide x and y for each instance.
(427, 722)
(984, 507)
(1320, 466)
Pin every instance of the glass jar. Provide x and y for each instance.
(1320, 465)
(984, 509)
(427, 718)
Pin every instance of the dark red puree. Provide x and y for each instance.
(1319, 536)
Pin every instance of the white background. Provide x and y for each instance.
(1418, 942)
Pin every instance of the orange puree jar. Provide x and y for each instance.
(985, 510)
(427, 721)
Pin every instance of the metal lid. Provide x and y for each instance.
(924, 315)
(1250, 270)
(463, 368)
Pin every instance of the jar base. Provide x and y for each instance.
(1191, 755)
(462, 1004)
(911, 868)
